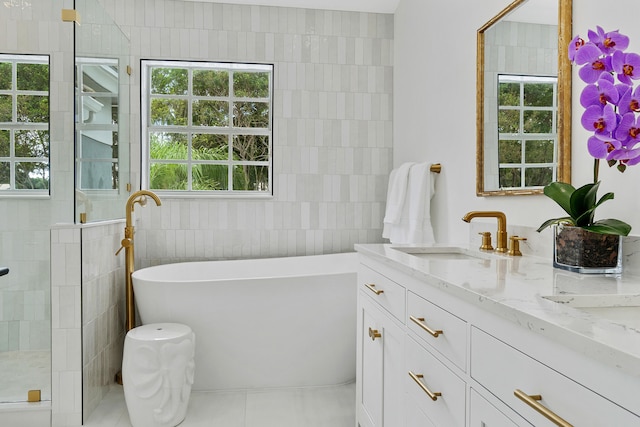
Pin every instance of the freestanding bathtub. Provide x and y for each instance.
(260, 323)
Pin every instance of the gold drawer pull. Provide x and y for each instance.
(373, 289)
(416, 377)
(420, 322)
(374, 333)
(532, 400)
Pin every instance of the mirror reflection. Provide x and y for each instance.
(97, 126)
(523, 137)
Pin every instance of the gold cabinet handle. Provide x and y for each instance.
(373, 289)
(374, 333)
(420, 322)
(416, 377)
(532, 400)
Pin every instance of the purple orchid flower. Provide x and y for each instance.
(626, 66)
(601, 120)
(600, 93)
(601, 149)
(629, 100)
(586, 54)
(626, 156)
(574, 46)
(608, 42)
(612, 104)
(628, 130)
(593, 63)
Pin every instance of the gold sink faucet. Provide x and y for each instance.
(501, 243)
(139, 197)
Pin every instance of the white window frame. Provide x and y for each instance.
(230, 131)
(14, 126)
(522, 136)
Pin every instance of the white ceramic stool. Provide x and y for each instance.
(157, 373)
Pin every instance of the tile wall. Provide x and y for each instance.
(103, 310)
(332, 127)
(66, 325)
(87, 317)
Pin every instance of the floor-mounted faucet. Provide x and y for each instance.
(139, 197)
(501, 238)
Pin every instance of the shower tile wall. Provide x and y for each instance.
(66, 324)
(332, 127)
(103, 308)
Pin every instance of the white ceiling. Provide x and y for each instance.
(376, 6)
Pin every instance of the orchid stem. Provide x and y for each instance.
(596, 167)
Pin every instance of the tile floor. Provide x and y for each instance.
(332, 406)
(23, 371)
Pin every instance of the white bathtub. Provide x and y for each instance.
(260, 323)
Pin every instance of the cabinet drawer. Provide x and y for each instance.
(439, 328)
(502, 370)
(484, 414)
(384, 291)
(415, 417)
(448, 408)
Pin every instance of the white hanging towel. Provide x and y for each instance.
(411, 223)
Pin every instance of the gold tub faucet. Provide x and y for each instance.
(139, 197)
(501, 243)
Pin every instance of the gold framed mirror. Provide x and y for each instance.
(523, 107)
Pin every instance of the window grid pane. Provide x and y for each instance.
(527, 116)
(24, 124)
(209, 127)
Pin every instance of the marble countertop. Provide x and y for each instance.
(597, 315)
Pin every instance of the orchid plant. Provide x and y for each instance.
(611, 107)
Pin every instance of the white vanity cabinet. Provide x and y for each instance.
(380, 351)
(433, 387)
(516, 379)
(427, 357)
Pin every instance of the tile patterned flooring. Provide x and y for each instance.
(23, 371)
(332, 406)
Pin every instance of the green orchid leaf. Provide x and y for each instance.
(604, 198)
(583, 203)
(610, 226)
(590, 212)
(560, 193)
(550, 222)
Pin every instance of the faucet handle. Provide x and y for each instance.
(125, 243)
(486, 241)
(514, 249)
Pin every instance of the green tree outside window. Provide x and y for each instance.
(24, 123)
(527, 116)
(209, 127)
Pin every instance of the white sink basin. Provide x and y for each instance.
(448, 253)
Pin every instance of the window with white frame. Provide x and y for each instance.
(527, 131)
(207, 127)
(24, 124)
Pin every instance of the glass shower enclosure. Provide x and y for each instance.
(53, 172)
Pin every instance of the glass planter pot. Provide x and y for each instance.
(582, 251)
